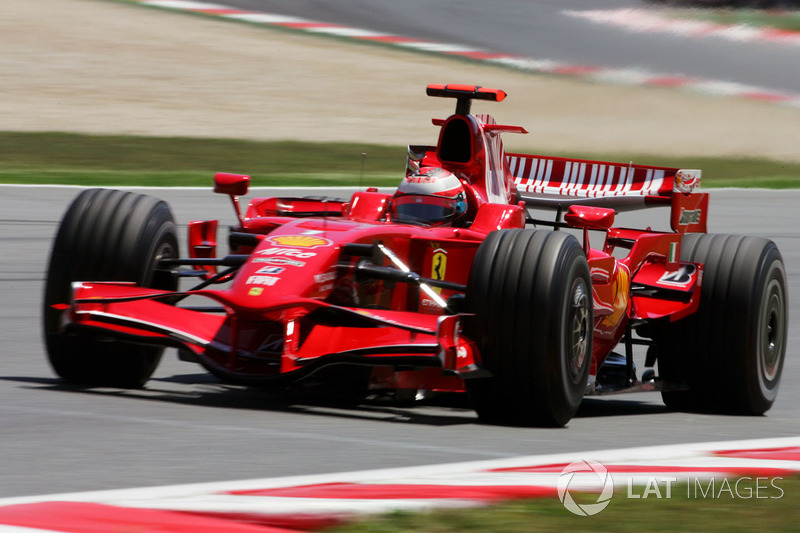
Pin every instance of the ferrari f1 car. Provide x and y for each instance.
(450, 284)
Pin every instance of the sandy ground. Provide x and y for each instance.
(102, 67)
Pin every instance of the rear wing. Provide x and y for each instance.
(557, 183)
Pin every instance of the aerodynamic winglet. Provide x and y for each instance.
(465, 94)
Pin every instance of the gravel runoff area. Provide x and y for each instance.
(96, 66)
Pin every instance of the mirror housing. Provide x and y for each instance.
(231, 184)
(581, 216)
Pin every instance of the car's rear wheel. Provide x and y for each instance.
(730, 353)
(531, 294)
(105, 235)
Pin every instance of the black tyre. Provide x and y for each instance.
(731, 352)
(105, 235)
(531, 293)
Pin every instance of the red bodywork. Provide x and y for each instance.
(320, 281)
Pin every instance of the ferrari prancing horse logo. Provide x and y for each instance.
(438, 266)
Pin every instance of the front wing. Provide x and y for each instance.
(288, 341)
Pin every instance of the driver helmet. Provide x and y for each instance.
(431, 196)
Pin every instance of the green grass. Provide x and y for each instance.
(677, 513)
(94, 160)
(781, 20)
(73, 159)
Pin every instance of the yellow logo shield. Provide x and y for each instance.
(438, 266)
(299, 241)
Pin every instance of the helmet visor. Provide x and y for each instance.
(422, 209)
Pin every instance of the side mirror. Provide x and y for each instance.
(581, 216)
(234, 185)
(231, 184)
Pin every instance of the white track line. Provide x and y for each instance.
(694, 455)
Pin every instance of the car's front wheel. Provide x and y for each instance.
(105, 235)
(531, 294)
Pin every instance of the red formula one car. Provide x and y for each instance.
(449, 284)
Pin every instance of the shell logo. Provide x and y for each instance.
(622, 287)
(300, 241)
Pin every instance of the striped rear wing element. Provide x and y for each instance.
(555, 181)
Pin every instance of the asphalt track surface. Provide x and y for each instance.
(540, 29)
(186, 427)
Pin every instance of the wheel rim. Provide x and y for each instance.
(579, 330)
(164, 251)
(771, 333)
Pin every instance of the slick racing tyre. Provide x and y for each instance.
(730, 353)
(531, 294)
(105, 235)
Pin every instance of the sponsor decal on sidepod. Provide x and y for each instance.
(288, 252)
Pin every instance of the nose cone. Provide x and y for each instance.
(285, 266)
